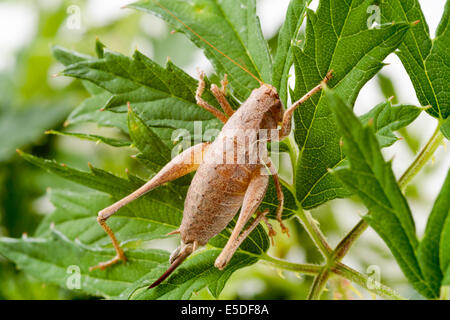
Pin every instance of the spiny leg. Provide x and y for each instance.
(120, 256)
(224, 83)
(220, 95)
(233, 246)
(182, 164)
(252, 199)
(280, 195)
(205, 105)
(272, 232)
(287, 117)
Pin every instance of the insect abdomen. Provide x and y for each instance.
(213, 199)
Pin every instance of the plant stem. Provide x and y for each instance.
(423, 157)
(344, 246)
(314, 232)
(293, 155)
(319, 283)
(309, 269)
(365, 282)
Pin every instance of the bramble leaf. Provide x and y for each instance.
(287, 38)
(270, 202)
(230, 26)
(338, 39)
(425, 60)
(92, 137)
(164, 98)
(433, 251)
(373, 180)
(90, 109)
(154, 152)
(55, 258)
(150, 217)
(445, 128)
(385, 119)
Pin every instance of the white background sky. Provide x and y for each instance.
(18, 21)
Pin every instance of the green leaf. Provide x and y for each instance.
(270, 202)
(445, 128)
(385, 119)
(67, 57)
(432, 257)
(446, 281)
(92, 137)
(199, 271)
(387, 87)
(154, 152)
(287, 38)
(373, 180)
(150, 217)
(75, 216)
(164, 205)
(230, 26)
(54, 260)
(90, 110)
(444, 246)
(194, 274)
(164, 98)
(425, 60)
(99, 48)
(338, 39)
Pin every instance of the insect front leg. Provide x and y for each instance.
(287, 117)
(184, 163)
(205, 105)
(220, 95)
(253, 196)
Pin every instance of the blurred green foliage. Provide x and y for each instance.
(33, 101)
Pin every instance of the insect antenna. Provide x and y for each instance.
(208, 43)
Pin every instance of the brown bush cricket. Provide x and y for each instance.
(222, 184)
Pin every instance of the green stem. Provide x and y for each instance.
(314, 232)
(308, 269)
(318, 284)
(293, 155)
(423, 157)
(344, 246)
(365, 282)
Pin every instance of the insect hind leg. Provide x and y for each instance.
(253, 197)
(182, 164)
(224, 258)
(120, 256)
